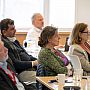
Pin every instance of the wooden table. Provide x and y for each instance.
(58, 86)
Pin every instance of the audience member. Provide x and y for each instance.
(8, 78)
(66, 45)
(22, 61)
(79, 46)
(53, 60)
(34, 33)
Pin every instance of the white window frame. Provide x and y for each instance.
(45, 12)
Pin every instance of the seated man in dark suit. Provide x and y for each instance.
(22, 61)
(8, 78)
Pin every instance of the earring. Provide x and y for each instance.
(79, 39)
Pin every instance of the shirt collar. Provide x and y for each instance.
(37, 29)
(3, 65)
(12, 39)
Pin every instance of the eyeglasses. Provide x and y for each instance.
(86, 32)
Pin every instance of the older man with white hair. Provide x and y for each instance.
(34, 33)
(8, 78)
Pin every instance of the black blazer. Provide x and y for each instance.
(5, 82)
(20, 58)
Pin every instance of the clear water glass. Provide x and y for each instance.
(77, 76)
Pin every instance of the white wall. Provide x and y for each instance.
(83, 11)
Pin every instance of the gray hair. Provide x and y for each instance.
(34, 15)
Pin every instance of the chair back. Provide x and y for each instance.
(75, 61)
(41, 70)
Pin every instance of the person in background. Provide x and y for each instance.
(34, 33)
(22, 61)
(54, 61)
(79, 45)
(8, 78)
(66, 45)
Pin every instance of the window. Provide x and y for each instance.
(21, 11)
(62, 13)
(2, 9)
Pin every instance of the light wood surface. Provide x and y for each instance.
(58, 86)
(22, 36)
(45, 81)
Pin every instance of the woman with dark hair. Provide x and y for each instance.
(53, 60)
(79, 45)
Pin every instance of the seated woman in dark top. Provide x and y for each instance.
(54, 61)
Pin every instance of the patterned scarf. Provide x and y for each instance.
(8, 71)
(86, 47)
(62, 56)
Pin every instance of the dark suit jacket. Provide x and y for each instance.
(20, 58)
(5, 82)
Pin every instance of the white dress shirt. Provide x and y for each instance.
(32, 41)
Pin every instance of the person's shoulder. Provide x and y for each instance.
(77, 48)
(33, 28)
(6, 41)
(74, 46)
(30, 30)
(4, 38)
(45, 51)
